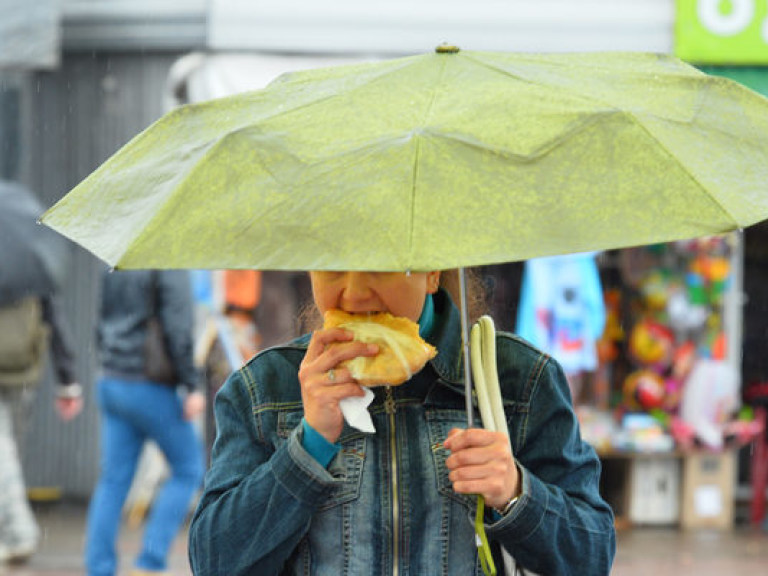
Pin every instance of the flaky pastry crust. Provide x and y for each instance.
(402, 352)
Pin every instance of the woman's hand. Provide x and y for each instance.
(323, 384)
(481, 462)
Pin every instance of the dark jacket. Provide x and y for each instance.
(127, 306)
(62, 355)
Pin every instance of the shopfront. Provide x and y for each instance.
(686, 336)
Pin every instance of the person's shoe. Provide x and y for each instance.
(20, 554)
(16, 554)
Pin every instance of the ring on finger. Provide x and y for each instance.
(332, 375)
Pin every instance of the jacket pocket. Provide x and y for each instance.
(439, 423)
(346, 467)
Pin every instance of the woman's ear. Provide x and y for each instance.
(433, 281)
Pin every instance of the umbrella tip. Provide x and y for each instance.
(446, 49)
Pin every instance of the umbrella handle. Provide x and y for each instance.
(478, 373)
(479, 364)
(496, 419)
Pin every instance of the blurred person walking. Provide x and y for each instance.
(31, 325)
(144, 397)
(28, 328)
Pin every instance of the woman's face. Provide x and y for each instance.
(398, 293)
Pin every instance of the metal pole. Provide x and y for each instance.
(465, 347)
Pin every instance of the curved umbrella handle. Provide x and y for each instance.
(489, 400)
(476, 349)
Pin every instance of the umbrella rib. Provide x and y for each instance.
(498, 69)
(417, 155)
(573, 90)
(314, 100)
(591, 98)
(537, 82)
(693, 178)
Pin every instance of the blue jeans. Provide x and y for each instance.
(133, 412)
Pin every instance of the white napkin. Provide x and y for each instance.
(355, 410)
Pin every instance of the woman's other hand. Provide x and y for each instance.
(481, 462)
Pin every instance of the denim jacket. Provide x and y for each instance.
(385, 505)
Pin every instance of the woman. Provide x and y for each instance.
(293, 490)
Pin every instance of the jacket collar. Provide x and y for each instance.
(446, 337)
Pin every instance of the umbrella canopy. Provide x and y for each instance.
(31, 256)
(435, 161)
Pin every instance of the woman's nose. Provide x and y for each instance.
(356, 287)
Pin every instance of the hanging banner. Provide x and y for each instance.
(722, 31)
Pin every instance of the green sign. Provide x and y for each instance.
(722, 31)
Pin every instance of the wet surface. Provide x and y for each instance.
(641, 551)
(62, 539)
(672, 552)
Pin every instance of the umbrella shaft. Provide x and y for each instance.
(465, 346)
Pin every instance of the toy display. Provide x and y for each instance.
(665, 341)
(663, 355)
(710, 398)
(652, 344)
(644, 390)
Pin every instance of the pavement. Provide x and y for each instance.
(62, 527)
(660, 551)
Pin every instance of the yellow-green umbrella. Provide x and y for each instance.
(436, 161)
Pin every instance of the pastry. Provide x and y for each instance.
(402, 352)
